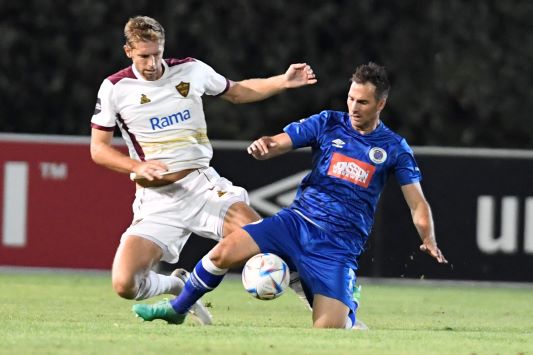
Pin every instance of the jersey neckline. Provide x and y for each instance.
(141, 78)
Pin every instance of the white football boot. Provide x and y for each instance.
(198, 311)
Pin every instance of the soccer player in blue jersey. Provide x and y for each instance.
(325, 229)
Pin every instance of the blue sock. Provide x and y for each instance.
(204, 278)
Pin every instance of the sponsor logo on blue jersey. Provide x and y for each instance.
(350, 169)
(166, 121)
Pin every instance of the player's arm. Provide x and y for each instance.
(269, 147)
(104, 154)
(251, 90)
(422, 219)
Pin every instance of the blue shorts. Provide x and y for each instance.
(326, 263)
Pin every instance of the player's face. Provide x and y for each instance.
(363, 107)
(147, 58)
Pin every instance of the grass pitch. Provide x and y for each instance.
(78, 313)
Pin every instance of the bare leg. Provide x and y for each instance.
(236, 248)
(233, 250)
(329, 312)
(238, 215)
(133, 261)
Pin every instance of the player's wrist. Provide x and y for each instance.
(134, 166)
(284, 82)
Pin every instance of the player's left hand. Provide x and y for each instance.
(435, 252)
(300, 74)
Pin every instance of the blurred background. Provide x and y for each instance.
(461, 70)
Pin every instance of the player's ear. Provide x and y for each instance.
(381, 103)
(127, 50)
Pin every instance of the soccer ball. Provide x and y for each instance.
(265, 276)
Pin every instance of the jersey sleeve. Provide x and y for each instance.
(104, 117)
(406, 171)
(306, 132)
(214, 83)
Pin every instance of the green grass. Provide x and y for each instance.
(43, 313)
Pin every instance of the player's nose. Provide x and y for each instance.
(151, 62)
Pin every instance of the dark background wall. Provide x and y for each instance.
(483, 214)
(461, 70)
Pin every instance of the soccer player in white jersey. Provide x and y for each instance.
(157, 105)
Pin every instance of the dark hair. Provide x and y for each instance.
(143, 28)
(374, 74)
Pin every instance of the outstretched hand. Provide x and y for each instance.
(299, 75)
(433, 251)
(260, 148)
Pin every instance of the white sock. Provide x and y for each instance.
(156, 284)
(349, 323)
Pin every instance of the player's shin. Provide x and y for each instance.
(204, 278)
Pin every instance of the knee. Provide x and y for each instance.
(237, 216)
(124, 287)
(325, 323)
(219, 257)
(221, 254)
(329, 319)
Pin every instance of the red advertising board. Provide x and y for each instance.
(58, 208)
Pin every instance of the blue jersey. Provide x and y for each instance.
(349, 172)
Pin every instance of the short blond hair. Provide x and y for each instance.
(143, 28)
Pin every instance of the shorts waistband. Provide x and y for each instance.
(169, 179)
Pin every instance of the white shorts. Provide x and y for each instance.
(198, 203)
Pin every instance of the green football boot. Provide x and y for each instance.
(160, 310)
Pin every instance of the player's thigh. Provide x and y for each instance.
(135, 256)
(328, 312)
(234, 249)
(238, 215)
(217, 207)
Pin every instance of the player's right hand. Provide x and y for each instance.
(260, 148)
(150, 170)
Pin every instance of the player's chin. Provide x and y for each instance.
(149, 75)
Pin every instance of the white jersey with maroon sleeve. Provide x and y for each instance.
(162, 119)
